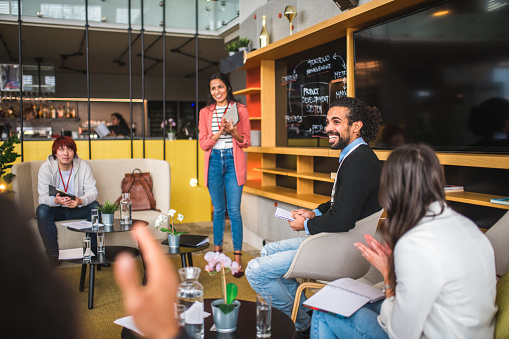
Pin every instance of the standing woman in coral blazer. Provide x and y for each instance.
(225, 160)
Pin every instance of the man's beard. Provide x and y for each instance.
(341, 142)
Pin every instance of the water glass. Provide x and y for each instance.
(87, 249)
(101, 246)
(263, 315)
(179, 314)
(95, 219)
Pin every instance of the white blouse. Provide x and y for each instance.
(446, 283)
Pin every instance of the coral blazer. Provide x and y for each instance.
(206, 143)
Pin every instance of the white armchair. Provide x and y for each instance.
(330, 256)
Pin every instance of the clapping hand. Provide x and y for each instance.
(376, 253)
(228, 126)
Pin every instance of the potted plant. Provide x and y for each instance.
(169, 123)
(244, 44)
(107, 212)
(7, 157)
(173, 235)
(232, 47)
(225, 311)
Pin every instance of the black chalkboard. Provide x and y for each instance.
(313, 80)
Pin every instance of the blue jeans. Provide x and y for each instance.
(225, 193)
(362, 324)
(265, 275)
(46, 217)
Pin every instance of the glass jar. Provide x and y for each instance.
(190, 294)
(125, 210)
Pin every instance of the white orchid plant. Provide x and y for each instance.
(162, 218)
(219, 262)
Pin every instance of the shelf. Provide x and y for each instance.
(94, 100)
(248, 91)
(283, 194)
(278, 171)
(309, 151)
(499, 161)
(293, 173)
(311, 201)
(313, 176)
(255, 118)
(472, 198)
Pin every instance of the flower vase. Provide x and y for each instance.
(225, 323)
(172, 136)
(173, 240)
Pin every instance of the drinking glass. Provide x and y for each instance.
(179, 314)
(95, 219)
(87, 250)
(101, 246)
(263, 315)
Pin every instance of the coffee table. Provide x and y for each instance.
(102, 258)
(186, 253)
(108, 257)
(282, 326)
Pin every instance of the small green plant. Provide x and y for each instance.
(244, 42)
(108, 207)
(232, 46)
(8, 156)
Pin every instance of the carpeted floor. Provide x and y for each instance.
(108, 306)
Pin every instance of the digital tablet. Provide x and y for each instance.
(53, 192)
(232, 114)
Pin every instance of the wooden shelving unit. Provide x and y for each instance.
(261, 73)
(248, 91)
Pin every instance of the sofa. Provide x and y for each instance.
(108, 175)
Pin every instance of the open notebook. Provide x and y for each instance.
(344, 297)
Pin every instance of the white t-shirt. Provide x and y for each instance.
(224, 141)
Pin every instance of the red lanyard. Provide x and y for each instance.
(217, 115)
(68, 179)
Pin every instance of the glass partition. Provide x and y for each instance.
(180, 15)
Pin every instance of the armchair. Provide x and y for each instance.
(330, 256)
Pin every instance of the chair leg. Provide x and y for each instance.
(301, 288)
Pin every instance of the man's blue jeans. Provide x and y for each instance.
(265, 275)
(46, 217)
(362, 324)
(225, 193)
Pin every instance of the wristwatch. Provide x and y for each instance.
(387, 287)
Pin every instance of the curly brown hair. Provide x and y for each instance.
(359, 111)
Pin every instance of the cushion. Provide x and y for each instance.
(502, 301)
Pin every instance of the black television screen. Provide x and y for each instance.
(439, 76)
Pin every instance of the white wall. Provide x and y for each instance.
(309, 13)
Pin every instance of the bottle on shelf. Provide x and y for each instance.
(264, 34)
(53, 112)
(60, 111)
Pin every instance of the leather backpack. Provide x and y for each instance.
(139, 186)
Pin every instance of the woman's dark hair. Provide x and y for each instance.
(61, 142)
(226, 82)
(412, 178)
(359, 111)
(122, 123)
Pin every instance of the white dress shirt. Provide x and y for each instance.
(446, 283)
